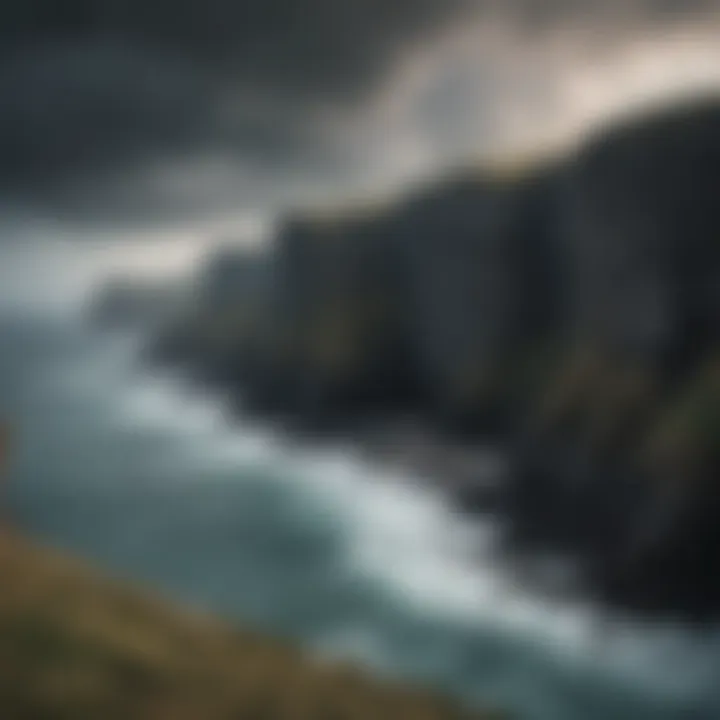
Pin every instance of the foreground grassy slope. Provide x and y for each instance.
(75, 646)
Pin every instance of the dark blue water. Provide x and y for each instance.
(151, 481)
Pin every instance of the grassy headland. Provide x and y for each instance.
(74, 645)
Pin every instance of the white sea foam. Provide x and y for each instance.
(398, 533)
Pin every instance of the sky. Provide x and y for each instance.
(148, 126)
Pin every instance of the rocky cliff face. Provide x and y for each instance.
(619, 463)
(430, 306)
(572, 309)
(216, 332)
(480, 271)
(335, 319)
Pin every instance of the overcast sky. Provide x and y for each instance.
(165, 113)
(153, 107)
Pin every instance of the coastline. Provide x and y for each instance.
(75, 644)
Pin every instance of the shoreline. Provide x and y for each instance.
(473, 480)
(75, 643)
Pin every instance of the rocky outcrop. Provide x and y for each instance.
(482, 273)
(215, 333)
(618, 461)
(434, 306)
(335, 331)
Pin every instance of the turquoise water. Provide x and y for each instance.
(147, 477)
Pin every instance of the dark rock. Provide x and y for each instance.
(482, 279)
(337, 339)
(640, 237)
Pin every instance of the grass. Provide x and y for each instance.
(75, 646)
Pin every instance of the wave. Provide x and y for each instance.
(434, 594)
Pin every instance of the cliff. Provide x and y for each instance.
(627, 428)
(481, 262)
(429, 307)
(214, 333)
(570, 310)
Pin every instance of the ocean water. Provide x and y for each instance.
(149, 478)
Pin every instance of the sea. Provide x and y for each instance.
(154, 480)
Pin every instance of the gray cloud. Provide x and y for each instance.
(89, 83)
(303, 47)
(100, 98)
